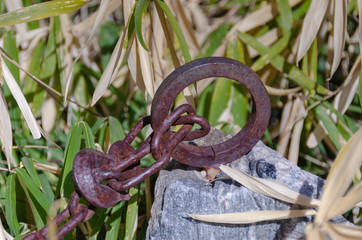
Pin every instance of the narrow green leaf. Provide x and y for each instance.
(10, 205)
(176, 27)
(45, 186)
(29, 165)
(141, 7)
(116, 131)
(40, 11)
(132, 213)
(203, 105)
(66, 186)
(114, 221)
(286, 16)
(33, 189)
(88, 135)
(330, 127)
(239, 107)
(275, 50)
(11, 49)
(216, 38)
(360, 88)
(294, 73)
(219, 100)
(50, 59)
(97, 221)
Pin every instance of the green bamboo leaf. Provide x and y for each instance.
(114, 221)
(219, 99)
(10, 205)
(239, 106)
(203, 107)
(176, 27)
(275, 50)
(216, 38)
(141, 7)
(66, 185)
(286, 17)
(294, 73)
(116, 131)
(33, 189)
(29, 165)
(132, 213)
(40, 11)
(97, 221)
(88, 135)
(45, 186)
(330, 127)
(50, 59)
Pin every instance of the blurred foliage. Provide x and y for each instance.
(91, 74)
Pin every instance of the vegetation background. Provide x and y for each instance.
(78, 74)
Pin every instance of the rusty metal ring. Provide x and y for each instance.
(242, 142)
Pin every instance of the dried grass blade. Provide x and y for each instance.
(253, 217)
(351, 199)
(313, 232)
(311, 24)
(341, 175)
(339, 231)
(359, 4)
(101, 15)
(293, 152)
(269, 188)
(21, 101)
(6, 134)
(110, 72)
(147, 74)
(339, 32)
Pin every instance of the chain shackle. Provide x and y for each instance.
(242, 142)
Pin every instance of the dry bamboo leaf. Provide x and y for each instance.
(6, 134)
(258, 18)
(313, 232)
(281, 92)
(339, 231)
(20, 100)
(350, 200)
(49, 114)
(339, 32)
(293, 152)
(110, 72)
(341, 175)
(4, 235)
(285, 115)
(348, 89)
(269, 188)
(104, 5)
(135, 67)
(311, 24)
(253, 217)
(285, 135)
(146, 68)
(157, 41)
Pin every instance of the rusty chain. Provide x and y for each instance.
(120, 168)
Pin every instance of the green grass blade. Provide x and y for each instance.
(132, 213)
(45, 186)
(114, 221)
(66, 185)
(97, 221)
(239, 107)
(10, 205)
(275, 50)
(141, 7)
(116, 131)
(88, 135)
(330, 127)
(286, 16)
(50, 59)
(219, 99)
(360, 88)
(294, 73)
(29, 165)
(33, 189)
(216, 39)
(176, 27)
(40, 11)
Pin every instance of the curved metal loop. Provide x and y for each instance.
(175, 118)
(242, 142)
